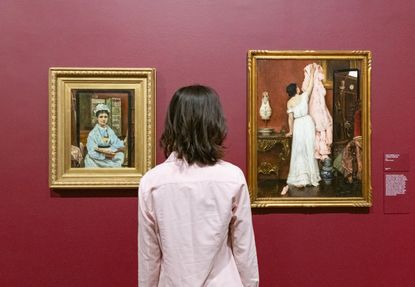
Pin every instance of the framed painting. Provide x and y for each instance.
(309, 128)
(101, 126)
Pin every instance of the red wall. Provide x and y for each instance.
(88, 238)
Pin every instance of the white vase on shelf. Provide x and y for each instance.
(265, 113)
(265, 110)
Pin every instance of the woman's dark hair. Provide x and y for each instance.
(195, 127)
(292, 89)
(102, 112)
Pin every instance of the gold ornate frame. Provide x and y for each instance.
(259, 143)
(62, 83)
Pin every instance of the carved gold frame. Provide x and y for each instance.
(61, 82)
(364, 57)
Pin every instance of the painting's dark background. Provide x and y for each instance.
(48, 240)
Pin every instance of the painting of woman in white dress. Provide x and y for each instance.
(304, 168)
(306, 147)
(313, 149)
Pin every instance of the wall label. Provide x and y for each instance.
(396, 196)
(395, 184)
(396, 162)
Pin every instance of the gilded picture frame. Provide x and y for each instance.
(336, 152)
(87, 153)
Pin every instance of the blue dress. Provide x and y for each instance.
(103, 138)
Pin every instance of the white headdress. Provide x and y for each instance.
(101, 107)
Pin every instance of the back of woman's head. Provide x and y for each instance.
(195, 127)
(291, 89)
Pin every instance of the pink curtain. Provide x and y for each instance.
(319, 112)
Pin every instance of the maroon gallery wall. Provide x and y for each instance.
(89, 238)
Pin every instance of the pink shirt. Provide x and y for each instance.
(195, 227)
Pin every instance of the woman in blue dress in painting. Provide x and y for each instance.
(104, 147)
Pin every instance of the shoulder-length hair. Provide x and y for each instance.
(195, 126)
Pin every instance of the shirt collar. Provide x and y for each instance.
(172, 157)
(180, 161)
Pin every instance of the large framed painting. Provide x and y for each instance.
(309, 128)
(101, 126)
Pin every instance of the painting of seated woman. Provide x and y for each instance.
(102, 121)
(104, 148)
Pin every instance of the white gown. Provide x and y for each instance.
(303, 165)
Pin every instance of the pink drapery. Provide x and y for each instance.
(319, 112)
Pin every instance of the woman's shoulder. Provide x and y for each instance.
(157, 171)
(228, 165)
(93, 130)
(292, 102)
(152, 177)
(304, 94)
(231, 170)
